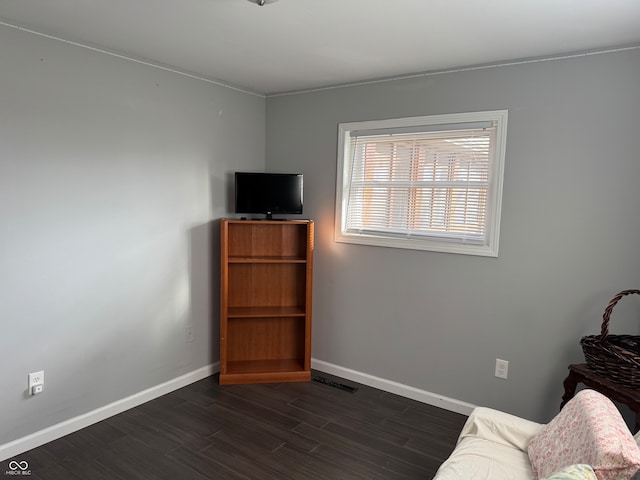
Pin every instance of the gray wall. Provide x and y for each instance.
(569, 234)
(112, 174)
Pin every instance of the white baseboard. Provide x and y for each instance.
(21, 445)
(390, 386)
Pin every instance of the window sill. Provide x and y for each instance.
(418, 244)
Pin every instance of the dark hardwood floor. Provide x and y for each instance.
(270, 431)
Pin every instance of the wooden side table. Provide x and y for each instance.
(580, 373)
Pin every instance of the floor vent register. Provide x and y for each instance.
(333, 384)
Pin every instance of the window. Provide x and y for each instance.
(426, 183)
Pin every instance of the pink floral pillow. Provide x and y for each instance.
(590, 430)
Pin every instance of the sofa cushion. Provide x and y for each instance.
(500, 427)
(588, 430)
(492, 445)
(479, 459)
(574, 472)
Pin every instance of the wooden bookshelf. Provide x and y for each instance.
(265, 300)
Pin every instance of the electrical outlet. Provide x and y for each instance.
(502, 368)
(36, 379)
(188, 333)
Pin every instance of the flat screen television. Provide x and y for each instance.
(268, 193)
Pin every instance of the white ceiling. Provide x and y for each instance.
(289, 45)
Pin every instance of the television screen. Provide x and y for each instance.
(268, 193)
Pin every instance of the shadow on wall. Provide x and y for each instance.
(204, 271)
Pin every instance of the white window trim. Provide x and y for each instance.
(494, 200)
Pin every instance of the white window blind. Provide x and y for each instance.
(426, 182)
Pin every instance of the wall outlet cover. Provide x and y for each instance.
(35, 378)
(502, 368)
(188, 334)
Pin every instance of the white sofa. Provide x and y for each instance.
(588, 434)
(492, 445)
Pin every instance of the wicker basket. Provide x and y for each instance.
(614, 357)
